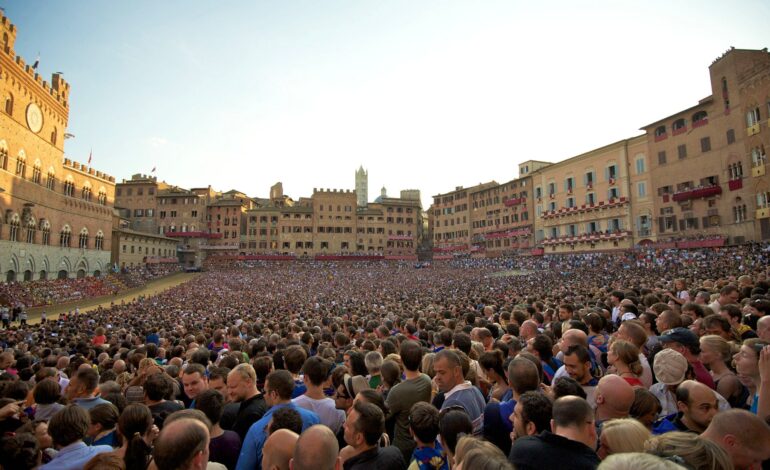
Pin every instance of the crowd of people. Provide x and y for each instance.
(656, 359)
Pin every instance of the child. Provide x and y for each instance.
(423, 426)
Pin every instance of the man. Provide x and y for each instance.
(577, 363)
(615, 298)
(575, 337)
(82, 389)
(68, 428)
(763, 328)
(194, 381)
(363, 429)
(242, 389)
(415, 387)
(734, 315)
(224, 446)
(667, 320)
(316, 371)
(571, 444)
(278, 389)
(183, 444)
(531, 416)
(316, 449)
(702, 298)
(565, 312)
(218, 380)
(729, 294)
(279, 448)
(483, 336)
(522, 377)
(614, 397)
(156, 388)
(717, 325)
(686, 343)
(697, 406)
(743, 435)
(458, 391)
(541, 346)
(528, 330)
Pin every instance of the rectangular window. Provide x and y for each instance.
(662, 157)
(641, 189)
(682, 150)
(705, 144)
(730, 136)
(640, 166)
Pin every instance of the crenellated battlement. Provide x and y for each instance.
(332, 191)
(58, 89)
(85, 169)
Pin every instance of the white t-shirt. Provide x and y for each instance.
(329, 415)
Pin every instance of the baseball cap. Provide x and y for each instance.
(680, 335)
(670, 367)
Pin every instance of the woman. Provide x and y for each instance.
(453, 422)
(747, 368)
(622, 435)
(138, 433)
(102, 430)
(100, 338)
(47, 394)
(680, 294)
(646, 407)
(391, 376)
(596, 326)
(491, 363)
(624, 357)
(692, 450)
(716, 354)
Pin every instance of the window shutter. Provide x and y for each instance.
(705, 222)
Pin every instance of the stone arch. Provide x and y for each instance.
(81, 266)
(63, 265)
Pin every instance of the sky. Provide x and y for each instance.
(425, 95)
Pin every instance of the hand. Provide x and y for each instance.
(10, 410)
(764, 364)
(154, 431)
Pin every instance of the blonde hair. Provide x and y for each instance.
(720, 345)
(427, 364)
(469, 443)
(697, 452)
(637, 461)
(628, 354)
(625, 435)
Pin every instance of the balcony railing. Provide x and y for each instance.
(587, 238)
(751, 130)
(735, 184)
(700, 123)
(219, 247)
(514, 201)
(698, 193)
(192, 235)
(660, 137)
(567, 211)
(758, 170)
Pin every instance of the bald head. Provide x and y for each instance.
(278, 450)
(183, 444)
(744, 436)
(316, 449)
(763, 328)
(574, 337)
(614, 397)
(528, 330)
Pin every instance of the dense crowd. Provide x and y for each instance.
(642, 359)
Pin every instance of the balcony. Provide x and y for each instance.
(758, 170)
(567, 211)
(735, 184)
(661, 137)
(504, 234)
(752, 130)
(680, 130)
(219, 247)
(400, 237)
(587, 238)
(700, 123)
(762, 213)
(192, 235)
(698, 193)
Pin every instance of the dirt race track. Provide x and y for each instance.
(52, 311)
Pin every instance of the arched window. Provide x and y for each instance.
(9, 104)
(3, 155)
(64, 237)
(54, 133)
(31, 230)
(5, 42)
(45, 228)
(14, 228)
(86, 192)
(99, 241)
(36, 172)
(102, 196)
(679, 126)
(83, 239)
(21, 164)
(700, 118)
(660, 131)
(69, 187)
(50, 181)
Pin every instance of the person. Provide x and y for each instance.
(577, 363)
(102, 429)
(541, 346)
(83, 387)
(458, 391)
(690, 449)
(278, 391)
(68, 428)
(468, 447)
(315, 372)
(316, 449)
(697, 406)
(531, 416)
(224, 446)
(716, 355)
(573, 439)
(491, 363)
(138, 432)
(523, 377)
(622, 435)
(218, 380)
(686, 343)
(424, 426)
(279, 448)
(183, 444)
(156, 388)
(614, 398)
(743, 436)
(415, 387)
(624, 357)
(373, 361)
(46, 395)
(194, 381)
(637, 461)
(729, 294)
(363, 427)
(646, 407)
(453, 423)
(19, 451)
(242, 388)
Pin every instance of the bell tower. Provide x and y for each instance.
(362, 187)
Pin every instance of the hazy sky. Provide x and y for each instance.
(424, 94)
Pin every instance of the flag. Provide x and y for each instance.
(91, 154)
(37, 62)
(153, 170)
